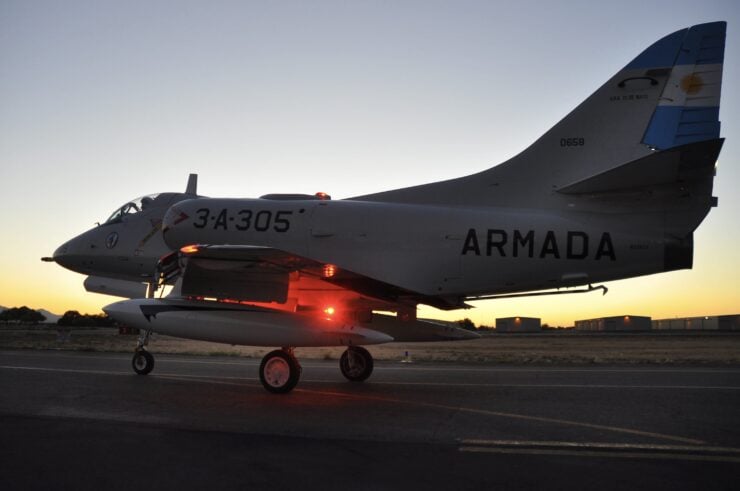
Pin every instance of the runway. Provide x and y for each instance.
(84, 420)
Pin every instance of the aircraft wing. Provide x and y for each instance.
(268, 275)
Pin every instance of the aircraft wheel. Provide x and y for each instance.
(279, 372)
(356, 363)
(142, 362)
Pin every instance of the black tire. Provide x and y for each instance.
(142, 362)
(279, 372)
(363, 366)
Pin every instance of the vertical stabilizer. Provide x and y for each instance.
(667, 97)
(688, 108)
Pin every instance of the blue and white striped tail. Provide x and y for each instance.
(688, 108)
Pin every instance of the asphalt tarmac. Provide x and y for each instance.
(73, 420)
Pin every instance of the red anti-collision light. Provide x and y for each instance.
(329, 270)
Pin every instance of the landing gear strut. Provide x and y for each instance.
(356, 364)
(280, 371)
(143, 361)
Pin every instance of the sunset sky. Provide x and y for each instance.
(104, 101)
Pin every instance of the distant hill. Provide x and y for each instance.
(50, 318)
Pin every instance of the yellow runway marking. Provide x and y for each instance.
(601, 449)
(558, 386)
(600, 445)
(486, 412)
(619, 455)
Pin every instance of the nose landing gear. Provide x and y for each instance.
(143, 361)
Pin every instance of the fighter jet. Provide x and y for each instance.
(614, 190)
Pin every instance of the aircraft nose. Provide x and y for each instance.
(67, 255)
(58, 255)
(61, 251)
(61, 255)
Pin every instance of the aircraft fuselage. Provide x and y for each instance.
(474, 251)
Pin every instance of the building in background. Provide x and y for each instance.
(616, 323)
(706, 323)
(518, 324)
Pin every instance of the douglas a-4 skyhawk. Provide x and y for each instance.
(614, 190)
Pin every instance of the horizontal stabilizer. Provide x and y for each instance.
(676, 165)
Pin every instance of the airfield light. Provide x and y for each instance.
(189, 249)
(322, 196)
(329, 311)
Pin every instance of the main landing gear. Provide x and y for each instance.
(143, 361)
(280, 370)
(356, 364)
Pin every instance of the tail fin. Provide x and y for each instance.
(688, 109)
(666, 97)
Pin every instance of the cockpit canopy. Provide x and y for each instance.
(134, 206)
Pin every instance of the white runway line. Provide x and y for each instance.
(376, 382)
(381, 365)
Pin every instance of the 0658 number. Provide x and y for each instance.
(572, 142)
